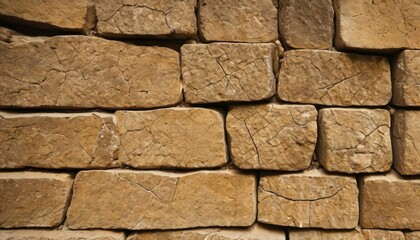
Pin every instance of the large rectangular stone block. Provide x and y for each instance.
(172, 138)
(32, 234)
(412, 235)
(129, 199)
(390, 202)
(309, 199)
(228, 72)
(272, 136)
(334, 78)
(53, 140)
(88, 72)
(356, 234)
(405, 79)
(33, 199)
(354, 140)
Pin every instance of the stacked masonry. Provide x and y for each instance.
(195, 123)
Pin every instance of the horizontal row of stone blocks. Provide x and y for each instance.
(141, 200)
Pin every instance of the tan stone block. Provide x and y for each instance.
(307, 24)
(130, 199)
(334, 78)
(389, 201)
(412, 235)
(255, 232)
(377, 25)
(272, 136)
(34, 234)
(382, 234)
(309, 199)
(172, 138)
(228, 72)
(52, 140)
(313, 234)
(238, 21)
(405, 79)
(88, 72)
(148, 18)
(354, 140)
(33, 199)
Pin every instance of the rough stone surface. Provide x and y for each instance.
(406, 79)
(307, 24)
(390, 202)
(309, 199)
(272, 136)
(33, 199)
(412, 235)
(33, 234)
(354, 140)
(377, 25)
(238, 21)
(154, 18)
(255, 232)
(228, 72)
(162, 200)
(357, 234)
(368, 234)
(87, 72)
(174, 138)
(58, 141)
(334, 78)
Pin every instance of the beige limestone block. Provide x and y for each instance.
(307, 24)
(33, 199)
(272, 136)
(147, 18)
(53, 140)
(34, 234)
(88, 72)
(354, 140)
(368, 234)
(356, 234)
(377, 25)
(389, 201)
(172, 138)
(406, 79)
(128, 199)
(255, 232)
(412, 235)
(228, 72)
(334, 78)
(238, 21)
(310, 199)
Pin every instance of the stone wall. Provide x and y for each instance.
(210, 119)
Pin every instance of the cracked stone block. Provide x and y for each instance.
(334, 78)
(312, 199)
(53, 140)
(272, 136)
(33, 199)
(146, 18)
(412, 235)
(238, 21)
(33, 234)
(255, 232)
(172, 138)
(128, 199)
(406, 79)
(307, 24)
(377, 25)
(225, 72)
(356, 234)
(88, 72)
(354, 140)
(390, 201)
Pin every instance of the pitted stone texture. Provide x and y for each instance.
(228, 72)
(307, 24)
(63, 14)
(58, 141)
(334, 78)
(33, 234)
(255, 232)
(406, 79)
(377, 25)
(272, 136)
(87, 72)
(357, 234)
(368, 234)
(354, 140)
(390, 202)
(33, 199)
(412, 235)
(172, 138)
(148, 18)
(309, 199)
(238, 21)
(127, 199)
